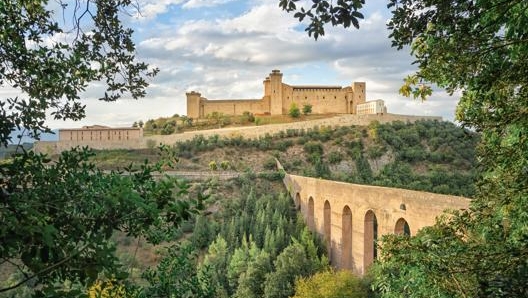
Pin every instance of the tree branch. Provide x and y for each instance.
(45, 270)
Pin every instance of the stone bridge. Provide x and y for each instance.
(350, 217)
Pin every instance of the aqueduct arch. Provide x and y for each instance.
(327, 221)
(346, 238)
(310, 217)
(350, 217)
(370, 236)
(298, 202)
(402, 227)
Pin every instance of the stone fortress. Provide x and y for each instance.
(278, 98)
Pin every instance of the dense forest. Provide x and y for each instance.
(255, 246)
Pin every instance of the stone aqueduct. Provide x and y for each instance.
(350, 217)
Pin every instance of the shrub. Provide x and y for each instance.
(248, 117)
(294, 111)
(307, 109)
(331, 284)
(335, 157)
(312, 147)
(283, 145)
(271, 175)
(213, 166)
(269, 163)
(225, 165)
(168, 128)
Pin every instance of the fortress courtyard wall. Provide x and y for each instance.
(323, 101)
(235, 107)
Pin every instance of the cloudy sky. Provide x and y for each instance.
(225, 48)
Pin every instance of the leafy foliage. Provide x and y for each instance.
(486, 247)
(480, 49)
(307, 109)
(294, 111)
(53, 71)
(176, 276)
(329, 284)
(57, 217)
(343, 13)
(57, 221)
(260, 247)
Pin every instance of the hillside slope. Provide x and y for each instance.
(425, 155)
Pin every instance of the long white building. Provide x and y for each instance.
(371, 107)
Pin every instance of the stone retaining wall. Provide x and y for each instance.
(249, 132)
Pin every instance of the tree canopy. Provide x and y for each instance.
(57, 216)
(51, 61)
(478, 50)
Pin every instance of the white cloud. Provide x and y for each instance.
(204, 3)
(264, 18)
(149, 9)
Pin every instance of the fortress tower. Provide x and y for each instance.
(194, 105)
(276, 107)
(359, 96)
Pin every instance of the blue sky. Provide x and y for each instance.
(225, 48)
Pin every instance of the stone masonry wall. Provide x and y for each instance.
(246, 132)
(340, 213)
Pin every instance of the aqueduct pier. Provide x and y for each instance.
(350, 217)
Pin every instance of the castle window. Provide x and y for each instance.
(306, 97)
(323, 97)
